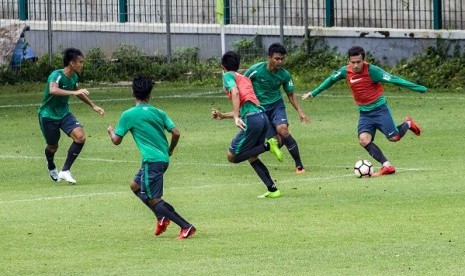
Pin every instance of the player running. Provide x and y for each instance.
(147, 125)
(365, 81)
(250, 117)
(54, 113)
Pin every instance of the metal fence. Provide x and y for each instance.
(404, 14)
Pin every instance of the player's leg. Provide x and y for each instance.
(264, 175)
(152, 186)
(51, 132)
(251, 141)
(279, 120)
(368, 123)
(72, 127)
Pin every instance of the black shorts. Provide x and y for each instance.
(150, 178)
(51, 127)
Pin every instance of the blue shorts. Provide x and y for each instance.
(150, 178)
(379, 118)
(51, 127)
(253, 135)
(276, 113)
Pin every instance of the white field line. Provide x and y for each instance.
(214, 94)
(294, 180)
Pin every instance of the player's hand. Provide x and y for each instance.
(99, 110)
(303, 118)
(79, 92)
(307, 95)
(239, 123)
(110, 130)
(216, 114)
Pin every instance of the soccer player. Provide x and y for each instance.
(54, 113)
(147, 125)
(251, 119)
(267, 79)
(365, 81)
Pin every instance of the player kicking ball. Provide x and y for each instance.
(365, 81)
(147, 125)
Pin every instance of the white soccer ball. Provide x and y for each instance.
(363, 168)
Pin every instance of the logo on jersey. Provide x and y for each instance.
(352, 80)
(336, 74)
(386, 77)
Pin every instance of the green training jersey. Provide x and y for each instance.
(248, 100)
(56, 107)
(267, 85)
(147, 125)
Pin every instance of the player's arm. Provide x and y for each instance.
(236, 102)
(175, 134)
(96, 108)
(216, 114)
(327, 83)
(57, 91)
(379, 75)
(115, 139)
(293, 100)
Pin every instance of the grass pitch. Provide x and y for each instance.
(328, 222)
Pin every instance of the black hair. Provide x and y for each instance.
(231, 61)
(70, 54)
(355, 51)
(276, 48)
(142, 87)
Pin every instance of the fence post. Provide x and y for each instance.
(227, 12)
(281, 21)
(437, 14)
(23, 10)
(168, 31)
(123, 11)
(329, 13)
(306, 33)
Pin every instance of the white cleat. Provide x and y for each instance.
(54, 175)
(66, 175)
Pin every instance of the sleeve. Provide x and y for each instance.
(122, 127)
(169, 124)
(379, 75)
(328, 82)
(288, 84)
(229, 81)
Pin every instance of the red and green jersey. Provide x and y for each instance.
(147, 125)
(267, 85)
(56, 107)
(366, 86)
(248, 100)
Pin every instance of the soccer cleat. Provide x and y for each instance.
(53, 174)
(299, 170)
(274, 149)
(187, 232)
(66, 175)
(414, 127)
(162, 225)
(386, 170)
(269, 194)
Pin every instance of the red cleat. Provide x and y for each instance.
(162, 225)
(414, 127)
(386, 170)
(187, 232)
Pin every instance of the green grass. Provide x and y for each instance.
(328, 222)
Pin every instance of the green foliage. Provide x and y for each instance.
(249, 49)
(440, 67)
(311, 62)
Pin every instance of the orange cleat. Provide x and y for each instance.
(414, 127)
(385, 170)
(162, 225)
(187, 232)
